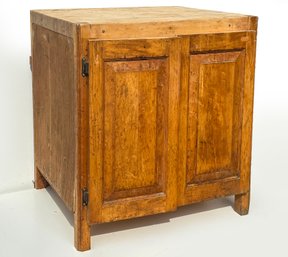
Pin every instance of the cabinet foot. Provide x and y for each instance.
(241, 204)
(39, 181)
(81, 234)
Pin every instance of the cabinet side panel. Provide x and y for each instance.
(54, 95)
(41, 100)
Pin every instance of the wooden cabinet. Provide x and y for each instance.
(140, 110)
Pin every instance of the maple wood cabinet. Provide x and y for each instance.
(140, 110)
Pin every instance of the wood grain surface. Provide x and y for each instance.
(133, 144)
(54, 102)
(144, 22)
(213, 103)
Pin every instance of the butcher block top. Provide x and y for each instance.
(141, 21)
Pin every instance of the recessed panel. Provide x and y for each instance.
(215, 117)
(214, 122)
(133, 127)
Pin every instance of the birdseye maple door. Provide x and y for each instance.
(133, 127)
(215, 115)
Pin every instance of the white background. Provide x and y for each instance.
(270, 137)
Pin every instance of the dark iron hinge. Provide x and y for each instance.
(85, 197)
(85, 67)
(30, 62)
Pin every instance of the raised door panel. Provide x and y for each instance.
(214, 115)
(133, 125)
(213, 103)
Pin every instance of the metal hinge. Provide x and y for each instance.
(85, 197)
(85, 67)
(30, 62)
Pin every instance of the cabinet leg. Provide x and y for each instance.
(241, 204)
(81, 233)
(39, 181)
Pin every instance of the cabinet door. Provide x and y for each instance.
(133, 123)
(215, 115)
